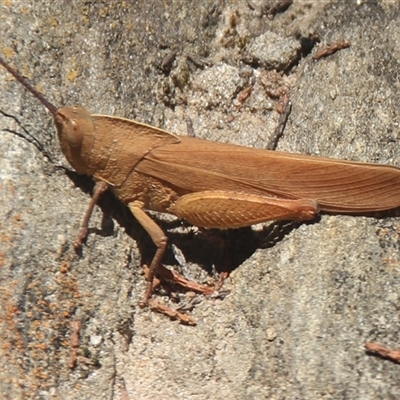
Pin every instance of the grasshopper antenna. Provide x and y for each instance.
(23, 81)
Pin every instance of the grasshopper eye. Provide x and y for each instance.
(74, 134)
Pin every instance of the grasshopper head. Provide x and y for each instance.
(75, 130)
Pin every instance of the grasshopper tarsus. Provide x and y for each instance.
(383, 351)
(172, 313)
(80, 238)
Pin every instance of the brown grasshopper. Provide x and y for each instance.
(209, 184)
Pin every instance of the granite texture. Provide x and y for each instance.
(302, 298)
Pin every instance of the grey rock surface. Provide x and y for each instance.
(302, 299)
